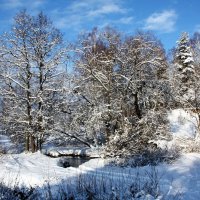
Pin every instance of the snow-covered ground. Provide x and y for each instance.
(36, 169)
(183, 176)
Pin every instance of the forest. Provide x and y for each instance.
(107, 91)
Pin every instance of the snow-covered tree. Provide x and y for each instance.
(123, 82)
(95, 68)
(186, 80)
(145, 91)
(185, 71)
(31, 59)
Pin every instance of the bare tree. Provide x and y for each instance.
(144, 89)
(122, 82)
(31, 59)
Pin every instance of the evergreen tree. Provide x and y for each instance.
(186, 79)
(185, 75)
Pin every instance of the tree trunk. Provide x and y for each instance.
(27, 140)
(137, 108)
(39, 143)
(108, 122)
(40, 104)
(32, 144)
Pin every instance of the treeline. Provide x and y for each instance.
(117, 95)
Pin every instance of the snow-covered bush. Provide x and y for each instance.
(151, 157)
(135, 139)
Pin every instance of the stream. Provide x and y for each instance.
(70, 161)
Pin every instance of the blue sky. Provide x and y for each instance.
(166, 18)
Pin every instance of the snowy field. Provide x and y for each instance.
(36, 169)
(181, 178)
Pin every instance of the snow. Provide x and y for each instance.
(36, 169)
(188, 60)
(182, 123)
(31, 169)
(73, 151)
(188, 69)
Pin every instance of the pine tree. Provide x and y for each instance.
(185, 76)
(187, 79)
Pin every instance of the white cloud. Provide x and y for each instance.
(80, 13)
(125, 20)
(121, 21)
(164, 21)
(78, 6)
(106, 9)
